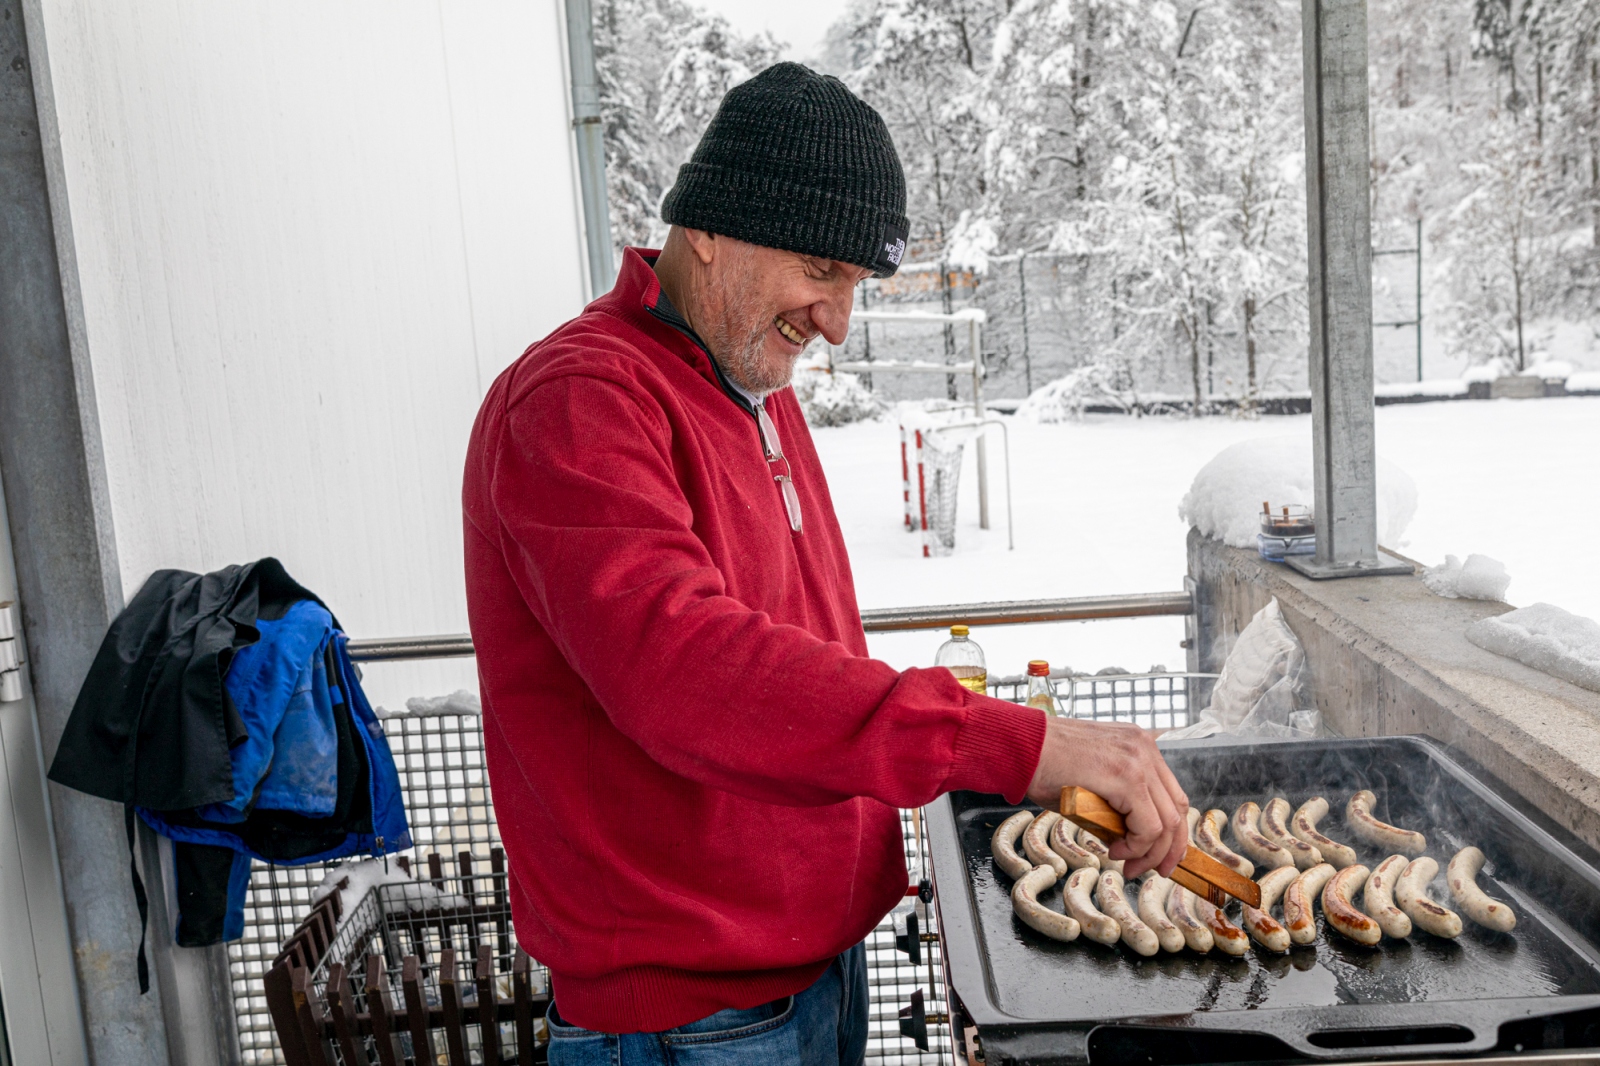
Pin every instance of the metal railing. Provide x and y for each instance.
(876, 620)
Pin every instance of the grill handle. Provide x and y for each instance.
(1353, 1033)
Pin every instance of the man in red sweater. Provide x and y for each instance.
(695, 765)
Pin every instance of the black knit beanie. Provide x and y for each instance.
(795, 160)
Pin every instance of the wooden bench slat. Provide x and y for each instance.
(380, 1013)
(455, 1030)
(343, 1013)
(488, 1006)
(416, 1011)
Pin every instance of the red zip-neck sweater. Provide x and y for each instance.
(694, 764)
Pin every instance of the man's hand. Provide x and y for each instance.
(1121, 763)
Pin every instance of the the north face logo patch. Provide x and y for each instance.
(892, 249)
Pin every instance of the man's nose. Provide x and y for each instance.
(832, 314)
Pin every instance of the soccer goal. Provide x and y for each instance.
(931, 453)
(972, 319)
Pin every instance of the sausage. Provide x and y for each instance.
(1036, 843)
(1410, 891)
(1258, 921)
(1208, 838)
(1194, 819)
(1097, 847)
(1342, 913)
(1114, 902)
(1064, 842)
(1254, 844)
(1153, 893)
(1101, 928)
(1377, 898)
(1299, 901)
(1359, 817)
(1304, 826)
(1463, 878)
(1228, 938)
(1181, 909)
(1004, 845)
(1025, 904)
(1274, 826)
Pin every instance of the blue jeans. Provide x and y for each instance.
(825, 1025)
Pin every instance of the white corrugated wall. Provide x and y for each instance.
(308, 234)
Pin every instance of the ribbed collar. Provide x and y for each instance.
(655, 302)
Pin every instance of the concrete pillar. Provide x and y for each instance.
(1339, 245)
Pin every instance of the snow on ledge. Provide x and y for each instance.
(1479, 578)
(1546, 638)
(1584, 381)
(1226, 497)
(1442, 387)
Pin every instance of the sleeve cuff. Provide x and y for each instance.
(998, 748)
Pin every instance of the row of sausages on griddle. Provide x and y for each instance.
(1170, 918)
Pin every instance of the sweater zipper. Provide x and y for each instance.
(766, 431)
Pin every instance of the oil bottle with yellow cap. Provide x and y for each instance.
(963, 658)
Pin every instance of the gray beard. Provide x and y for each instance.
(738, 348)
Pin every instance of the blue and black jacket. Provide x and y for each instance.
(235, 721)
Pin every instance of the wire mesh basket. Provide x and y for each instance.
(459, 987)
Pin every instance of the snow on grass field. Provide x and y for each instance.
(1096, 512)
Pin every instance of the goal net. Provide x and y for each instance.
(930, 466)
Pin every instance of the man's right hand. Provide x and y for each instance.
(1121, 763)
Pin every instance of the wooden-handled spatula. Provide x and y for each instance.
(1196, 871)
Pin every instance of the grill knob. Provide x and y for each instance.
(914, 1021)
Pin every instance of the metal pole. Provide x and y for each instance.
(1419, 297)
(590, 137)
(1339, 245)
(1027, 355)
(977, 407)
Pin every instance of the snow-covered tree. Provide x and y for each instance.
(664, 67)
(1500, 239)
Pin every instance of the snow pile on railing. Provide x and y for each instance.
(1546, 638)
(1479, 578)
(1226, 497)
(458, 702)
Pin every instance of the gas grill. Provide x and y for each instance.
(1018, 997)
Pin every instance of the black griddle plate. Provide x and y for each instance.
(1413, 996)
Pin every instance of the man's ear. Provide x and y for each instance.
(703, 243)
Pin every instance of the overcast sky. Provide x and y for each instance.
(800, 25)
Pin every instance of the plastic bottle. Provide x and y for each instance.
(963, 658)
(1041, 693)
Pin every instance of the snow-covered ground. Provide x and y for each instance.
(1096, 512)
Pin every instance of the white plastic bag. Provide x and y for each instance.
(1262, 688)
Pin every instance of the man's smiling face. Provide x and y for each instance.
(758, 308)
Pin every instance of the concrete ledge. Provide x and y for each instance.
(1390, 658)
